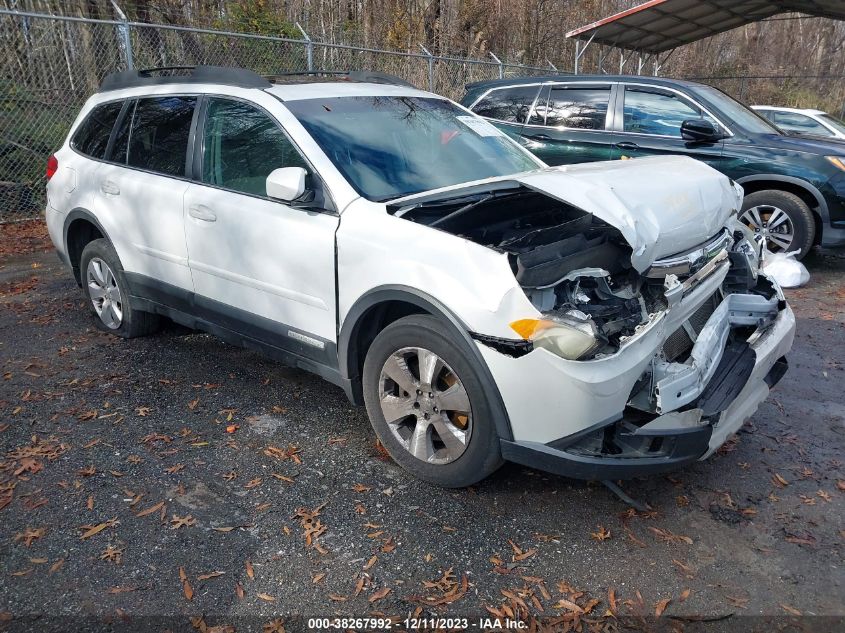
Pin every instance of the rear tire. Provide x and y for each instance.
(107, 293)
(442, 428)
(784, 220)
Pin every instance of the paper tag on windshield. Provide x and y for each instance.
(480, 126)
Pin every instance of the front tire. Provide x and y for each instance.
(107, 293)
(427, 404)
(782, 218)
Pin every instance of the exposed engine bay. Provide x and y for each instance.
(576, 268)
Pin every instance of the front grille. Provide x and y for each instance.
(677, 347)
(700, 316)
(689, 262)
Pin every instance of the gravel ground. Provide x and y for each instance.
(150, 481)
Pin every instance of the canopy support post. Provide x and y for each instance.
(580, 50)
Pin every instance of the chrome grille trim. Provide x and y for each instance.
(692, 261)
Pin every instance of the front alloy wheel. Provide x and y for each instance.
(104, 293)
(773, 224)
(425, 405)
(429, 402)
(782, 219)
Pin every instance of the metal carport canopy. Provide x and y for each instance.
(662, 25)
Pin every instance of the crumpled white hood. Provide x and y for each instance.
(662, 205)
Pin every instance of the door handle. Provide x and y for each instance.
(627, 145)
(539, 137)
(202, 212)
(109, 187)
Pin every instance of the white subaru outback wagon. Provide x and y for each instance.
(598, 321)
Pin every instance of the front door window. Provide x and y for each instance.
(658, 113)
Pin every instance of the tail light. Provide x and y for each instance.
(52, 166)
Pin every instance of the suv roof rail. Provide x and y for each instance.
(228, 75)
(362, 76)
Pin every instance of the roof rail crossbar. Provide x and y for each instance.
(146, 72)
(228, 75)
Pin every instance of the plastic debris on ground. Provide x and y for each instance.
(785, 268)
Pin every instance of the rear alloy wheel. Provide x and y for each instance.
(782, 219)
(104, 293)
(105, 287)
(428, 404)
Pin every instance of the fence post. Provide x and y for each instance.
(430, 68)
(501, 65)
(309, 47)
(123, 29)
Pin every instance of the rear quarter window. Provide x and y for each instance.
(92, 136)
(508, 104)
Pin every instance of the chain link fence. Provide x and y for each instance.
(52, 64)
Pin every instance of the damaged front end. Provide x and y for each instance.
(657, 363)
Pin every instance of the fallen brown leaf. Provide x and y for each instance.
(186, 521)
(186, 586)
(91, 530)
(779, 481)
(378, 595)
(660, 607)
(30, 534)
(670, 537)
(151, 509)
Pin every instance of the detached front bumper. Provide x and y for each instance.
(565, 415)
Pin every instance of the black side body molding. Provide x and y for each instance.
(276, 340)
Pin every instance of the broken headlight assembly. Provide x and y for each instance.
(571, 336)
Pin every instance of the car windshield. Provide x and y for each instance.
(833, 122)
(738, 113)
(390, 147)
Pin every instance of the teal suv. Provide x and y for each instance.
(794, 186)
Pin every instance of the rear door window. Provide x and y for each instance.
(511, 105)
(583, 108)
(158, 140)
(92, 137)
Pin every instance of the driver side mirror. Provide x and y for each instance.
(700, 131)
(286, 183)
